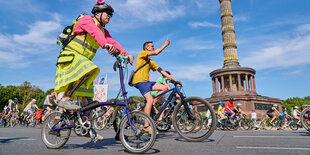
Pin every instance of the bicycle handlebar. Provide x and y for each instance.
(175, 82)
(116, 53)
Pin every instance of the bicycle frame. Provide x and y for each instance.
(174, 90)
(98, 104)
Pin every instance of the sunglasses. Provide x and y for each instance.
(109, 13)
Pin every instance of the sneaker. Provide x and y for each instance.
(148, 130)
(69, 105)
(98, 138)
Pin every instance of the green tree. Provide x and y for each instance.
(295, 101)
(7, 93)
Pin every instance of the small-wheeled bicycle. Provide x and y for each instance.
(56, 129)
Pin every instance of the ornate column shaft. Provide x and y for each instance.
(222, 83)
(247, 82)
(230, 83)
(213, 84)
(216, 85)
(239, 82)
(252, 85)
(228, 35)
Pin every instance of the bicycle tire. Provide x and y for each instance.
(245, 124)
(305, 118)
(205, 106)
(98, 124)
(12, 122)
(138, 119)
(46, 131)
(268, 125)
(294, 126)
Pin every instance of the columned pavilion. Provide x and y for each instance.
(232, 80)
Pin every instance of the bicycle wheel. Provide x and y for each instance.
(245, 124)
(54, 139)
(268, 125)
(138, 141)
(294, 126)
(98, 123)
(12, 122)
(192, 129)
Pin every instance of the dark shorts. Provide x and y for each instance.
(270, 115)
(144, 87)
(229, 113)
(45, 106)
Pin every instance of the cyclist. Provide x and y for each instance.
(220, 111)
(162, 80)
(141, 79)
(78, 68)
(228, 107)
(239, 111)
(47, 105)
(13, 106)
(254, 117)
(30, 109)
(271, 112)
(283, 117)
(296, 113)
(6, 109)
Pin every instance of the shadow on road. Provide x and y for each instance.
(90, 145)
(151, 151)
(303, 133)
(10, 140)
(183, 140)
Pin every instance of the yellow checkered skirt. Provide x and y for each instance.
(72, 66)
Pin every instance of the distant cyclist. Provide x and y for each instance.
(47, 105)
(220, 111)
(13, 106)
(228, 107)
(238, 110)
(271, 112)
(296, 113)
(30, 109)
(283, 117)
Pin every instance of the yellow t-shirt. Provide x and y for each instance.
(219, 110)
(143, 74)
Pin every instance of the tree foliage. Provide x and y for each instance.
(25, 93)
(295, 101)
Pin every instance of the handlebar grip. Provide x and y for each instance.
(116, 53)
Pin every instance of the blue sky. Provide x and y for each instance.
(272, 37)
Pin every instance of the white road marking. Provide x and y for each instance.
(299, 137)
(16, 138)
(273, 148)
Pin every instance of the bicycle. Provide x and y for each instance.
(14, 118)
(185, 119)
(56, 129)
(269, 125)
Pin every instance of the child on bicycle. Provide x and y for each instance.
(296, 113)
(283, 117)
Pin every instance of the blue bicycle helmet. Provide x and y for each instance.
(221, 102)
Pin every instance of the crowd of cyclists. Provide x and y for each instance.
(76, 72)
(231, 117)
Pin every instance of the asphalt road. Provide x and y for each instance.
(21, 140)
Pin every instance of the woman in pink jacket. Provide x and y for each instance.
(75, 70)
